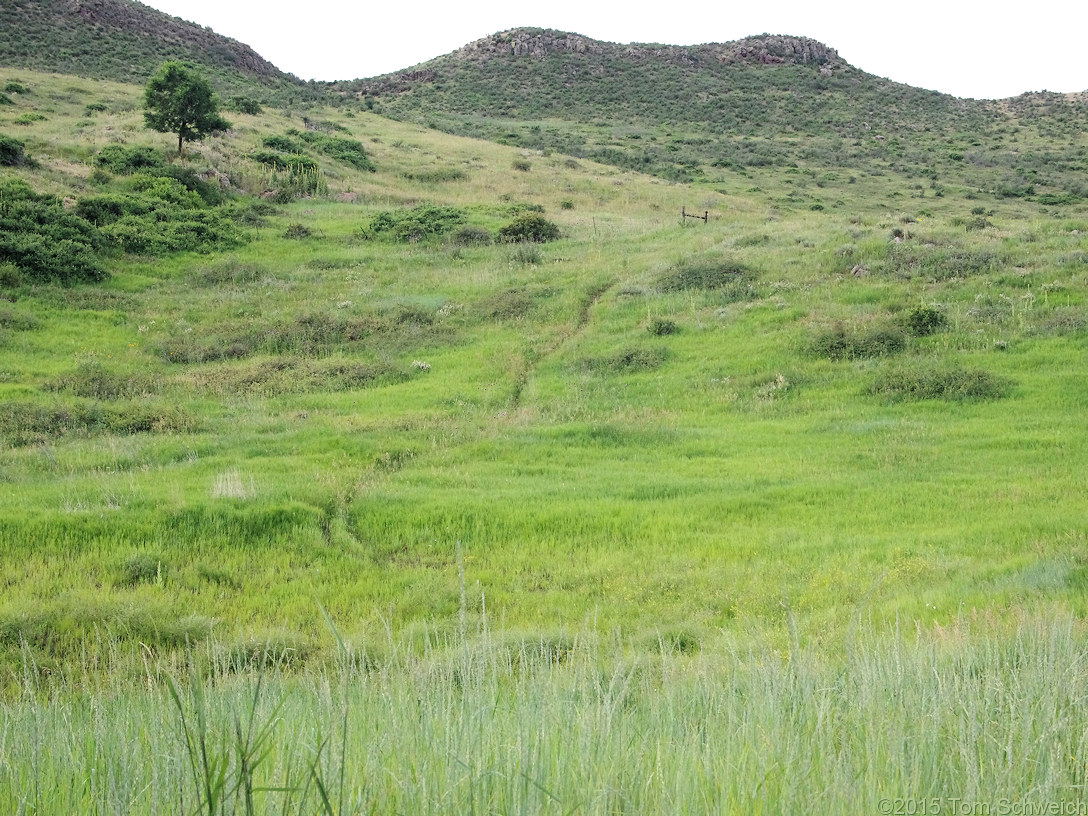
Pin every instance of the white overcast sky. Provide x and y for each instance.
(962, 47)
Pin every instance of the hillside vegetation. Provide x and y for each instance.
(125, 41)
(318, 400)
(349, 465)
(709, 112)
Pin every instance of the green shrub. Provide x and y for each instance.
(297, 232)
(416, 223)
(12, 152)
(526, 254)
(627, 360)
(16, 88)
(93, 381)
(6, 100)
(93, 108)
(45, 241)
(282, 161)
(10, 276)
(521, 165)
(142, 568)
(510, 304)
(707, 272)
(284, 144)
(471, 236)
(934, 382)
(660, 327)
(244, 104)
(938, 262)
(435, 175)
(124, 161)
(530, 227)
(16, 321)
(839, 344)
(922, 321)
(348, 151)
(300, 182)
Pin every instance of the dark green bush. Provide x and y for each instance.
(244, 104)
(93, 381)
(530, 227)
(10, 276)
(939, 383)
(839, 344)
(45, 241)
(471, 236)
(142, 568)
(284, 144)
(6, 100)
(416, 223)
(29, 423)
(708, 272)
(660, 327)
(16, 321)
(16, 88)
(434, 175)
(297, 231)
(348, 151)
(922, 321)
(12, 151)
(521, 165)
(284, 161)
(124, 161)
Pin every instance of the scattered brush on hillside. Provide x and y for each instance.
(416, 223)
(94, 381)
(44, 241)
(631, 359)
(12, 152)
(25, 423)
(928, 380)
(730, 280)
(287, 376)
(397, 328)
(841, 343)
(935, 262)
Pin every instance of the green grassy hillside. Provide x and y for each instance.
(710, 112)
(327, 489)
(867, 407)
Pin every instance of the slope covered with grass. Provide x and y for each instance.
(647, 424)
(374, 469)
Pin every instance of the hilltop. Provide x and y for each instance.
(124, 41)
(687, 112)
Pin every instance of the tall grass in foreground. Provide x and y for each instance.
(973, 713)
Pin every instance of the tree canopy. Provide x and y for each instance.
(179, 100)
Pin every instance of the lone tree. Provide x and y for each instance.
(181, 101)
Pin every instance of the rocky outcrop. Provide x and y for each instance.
(534, 43)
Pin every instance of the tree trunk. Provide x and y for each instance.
(179, 144)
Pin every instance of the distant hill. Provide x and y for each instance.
(125, 41)
(674, 110)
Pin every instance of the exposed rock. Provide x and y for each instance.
(766, 48)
